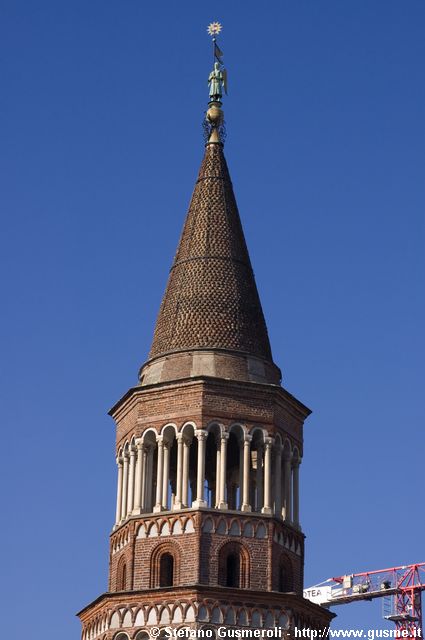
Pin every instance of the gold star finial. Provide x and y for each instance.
(214, 28)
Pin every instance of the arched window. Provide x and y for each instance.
(122, 575)
(233, 566)
(166, 570)
(285, 575)
(165, 565)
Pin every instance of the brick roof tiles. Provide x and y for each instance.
(211, 300)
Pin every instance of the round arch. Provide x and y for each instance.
(234, 565)
(165, 565)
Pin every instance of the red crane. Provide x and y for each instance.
(400, 586)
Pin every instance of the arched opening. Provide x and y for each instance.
(234, 467)
(149, 481)
(122, 575)
(233, 570)
(285, 578)
(257, 465)
(189, 465)
(233, 566)
(169, 470)
(286, 482)
(210, 490)
(165, 566)
(212, 465)
(166, 570)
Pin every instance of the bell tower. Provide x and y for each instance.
(207, 532)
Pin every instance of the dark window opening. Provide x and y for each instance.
(282, 580)
(232, 570)
(166, 570)
(285, 578)
(122, 578)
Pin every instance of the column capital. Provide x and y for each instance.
(133, 451)
(268, 442)
(180, 437)
(247, 438)
(119, 460)
(139, 443)
(225, 435)
(160, 440)
(201, 434)
(287, 456)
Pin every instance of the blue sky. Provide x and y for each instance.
(100, 114)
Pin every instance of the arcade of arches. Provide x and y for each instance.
(213, 468)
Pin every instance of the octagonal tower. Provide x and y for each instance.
(207, 531)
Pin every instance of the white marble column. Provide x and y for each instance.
(238, 503)
(119, 492)
(222, 504)
(148, 505)
(246, 473)
(179, 479)
(185, 473)
(278, 481)
(259, 478)
(287, 503)
(166, 474)
(130, 498)
(200, 477)
(138, 478)
(159, 474)
(296, 493)
(217, 474)
(124, 486)
(143, 478)
(267, 507)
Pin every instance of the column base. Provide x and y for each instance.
(157, 508)
(246, 507)
(177, 505)
(136, 512)
(266, 510)
(199, 503)
(223, 505)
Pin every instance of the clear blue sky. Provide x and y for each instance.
(100, 112)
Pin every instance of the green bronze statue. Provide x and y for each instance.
(217, 82)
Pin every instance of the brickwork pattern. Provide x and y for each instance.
(199, 553)
(198, 607)
(207, 401)
(211, 300)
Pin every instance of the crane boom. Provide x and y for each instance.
(402, 586)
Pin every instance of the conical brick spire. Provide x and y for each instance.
(211, 301)
(211, 298)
